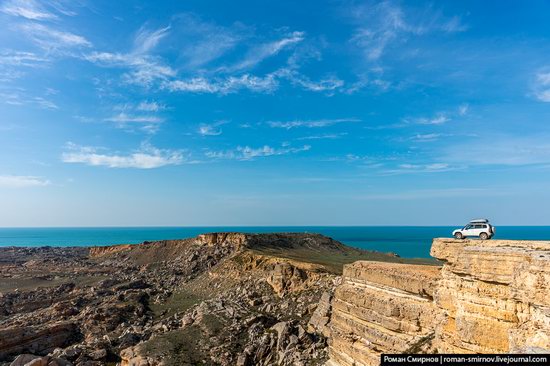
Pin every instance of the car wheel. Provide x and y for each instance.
(483, 236)
(458, 236)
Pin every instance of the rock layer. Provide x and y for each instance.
(382, 307)
(494, 295)
(489, 297)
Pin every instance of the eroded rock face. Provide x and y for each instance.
(495, 295)
(489, 297)
(382, 307)
(36, 340)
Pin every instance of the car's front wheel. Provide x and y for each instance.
(458, 236)
(483, 236)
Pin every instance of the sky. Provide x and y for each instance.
(199, 113)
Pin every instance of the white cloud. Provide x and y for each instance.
(128, 118)
(328, 136)
(18, 58)
(211, 129)
(45, 104)
(436, 120)
(145, 69)
(147, 123)
(263, 51)
(426, 137)
(29, 9)
(147, 157)
(454, 25)
(421, 168)
(381, 25)
(146, 39)
(21, 181)
(21, 98)
(249, 153)
(329, 84)
(542, 87)
(147, 106)
(311, 123)
(53, 39)
(228, 85)
(463, 109)
(202, 42)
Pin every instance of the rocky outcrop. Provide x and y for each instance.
(382, 307)
(320, 318)
(488, 297)
(494, 295)
(36, 340)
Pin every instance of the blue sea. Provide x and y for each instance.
(406, 241)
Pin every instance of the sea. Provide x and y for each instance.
(406, 241)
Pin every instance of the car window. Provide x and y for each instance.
(479, 226)
(468, 227)
(485, 226)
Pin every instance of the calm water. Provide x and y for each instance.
(407, 241)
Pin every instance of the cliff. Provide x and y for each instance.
(381, 308)
(494, 295)
(489, 296)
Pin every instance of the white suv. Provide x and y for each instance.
(478, 227)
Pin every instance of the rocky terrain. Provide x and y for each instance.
(489, 296)
(218, 299)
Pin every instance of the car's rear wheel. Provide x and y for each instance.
(458, 236)
(483, 236)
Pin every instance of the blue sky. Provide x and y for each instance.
(279, 113)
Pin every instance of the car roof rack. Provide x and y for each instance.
(479, 221)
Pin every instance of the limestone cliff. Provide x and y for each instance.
(489, 296)
(381, 307)
(494, 295)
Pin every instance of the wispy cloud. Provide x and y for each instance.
(145, 69)
(438, 119)
(232, 84)
(19, 58)
(146, 39)
(52, 39)
(29, 9)
(310, 123)
(421, 168)
(249, 153)
(542, 86)
(381, 25)
(21, 98)
(147, 157)
(148, 106)
(263, 51)
(203, 42)
(147, 123)
(211, 129)
(22, 181)
(329, 84)
(426, 137)
(463, 109)
(327, 136)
